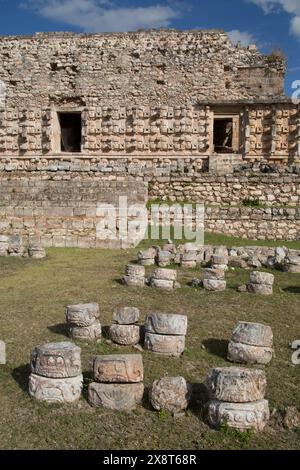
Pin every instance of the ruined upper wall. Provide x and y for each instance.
(149, 67)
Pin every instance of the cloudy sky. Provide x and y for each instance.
(272, 24)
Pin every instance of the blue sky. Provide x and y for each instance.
(272, 24)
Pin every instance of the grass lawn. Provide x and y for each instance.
(33, 295)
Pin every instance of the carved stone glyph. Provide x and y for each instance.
(56, 360)
(82, 314)
(87, 333)
(165, 274)
(214, 274)
(261, 289)
(254, 334)
(236, 385)
(242, 416)
(164, 344)
(172, 394)
(55, 390)
(116, 396)
(134, 275)
(126, 335)
(246, 354)
(126, 316)
(119, 368)
(166, 324)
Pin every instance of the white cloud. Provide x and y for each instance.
(244, 37)
(103, 15)
(289, 6)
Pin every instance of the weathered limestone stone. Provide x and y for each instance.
(126, 315)
(246, 354)
(242, 416)
(219, 260)
(166, 324)
(2, 352)
(253, 334)
(36, 251)
(92, 332)
(189, 259)
(257, 277)
(292, 418)
(236, 385)
(147, 257)
(292, 264)
(214, 285)
(134, 275)
(172, 394)
(236, 262)
(165, 274)
(165, 344)
(116, 396)
(82, 314)
(162, 284)
(164, 258)
(55, 390)
(56, 360)
(125, 334)
(119, 368)
(261, 289)
(214, 274)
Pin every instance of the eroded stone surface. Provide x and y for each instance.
(36, 251)
(292, 264)
(126, 315)
(133, 281)
(258, 277)
(82, 314)
(162, 284)
(56, 360)
(87, 333)
(119, 368)
(125, 334)
(254, 334)
(240, 416)
(2, 352)
(236, 385)
(172, 394)
(147, 257)
(246, 354)
(166, 324)
(134, 275)
(214, 274)
(261, 289)
(116, 396)
(214, 285)
(55, 390)
(164, 344)
(164, 258)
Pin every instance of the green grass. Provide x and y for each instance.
(33, 295)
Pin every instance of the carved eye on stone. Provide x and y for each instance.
(51, 361)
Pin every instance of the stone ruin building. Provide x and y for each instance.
(85, 118)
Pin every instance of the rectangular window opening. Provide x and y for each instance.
(223, 135)
(70, 132)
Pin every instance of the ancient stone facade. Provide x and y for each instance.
(87, 118)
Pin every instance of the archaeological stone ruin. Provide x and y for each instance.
(125, 331)
(165, 333)
(118, 381)
(237, 398)
(88, 118)
(83, 322)
(56, 375)
(251, 343)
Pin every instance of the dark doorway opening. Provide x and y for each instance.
(223, 129)
(70, 131)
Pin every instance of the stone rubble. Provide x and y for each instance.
(2, 353)
(82, 322)
(251, 343)
(237, 398)
(165, 333)
(214, 278)
(56, 372)
(134, 275)
(118, 382)
(125, 331)
(172, 394)
(260, 283)
(164, 279)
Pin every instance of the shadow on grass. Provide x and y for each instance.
(60, 329)
(105, 331)
(87, 380)
(217, 347)
(292, 289)
(21, 375)
(199, 399)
